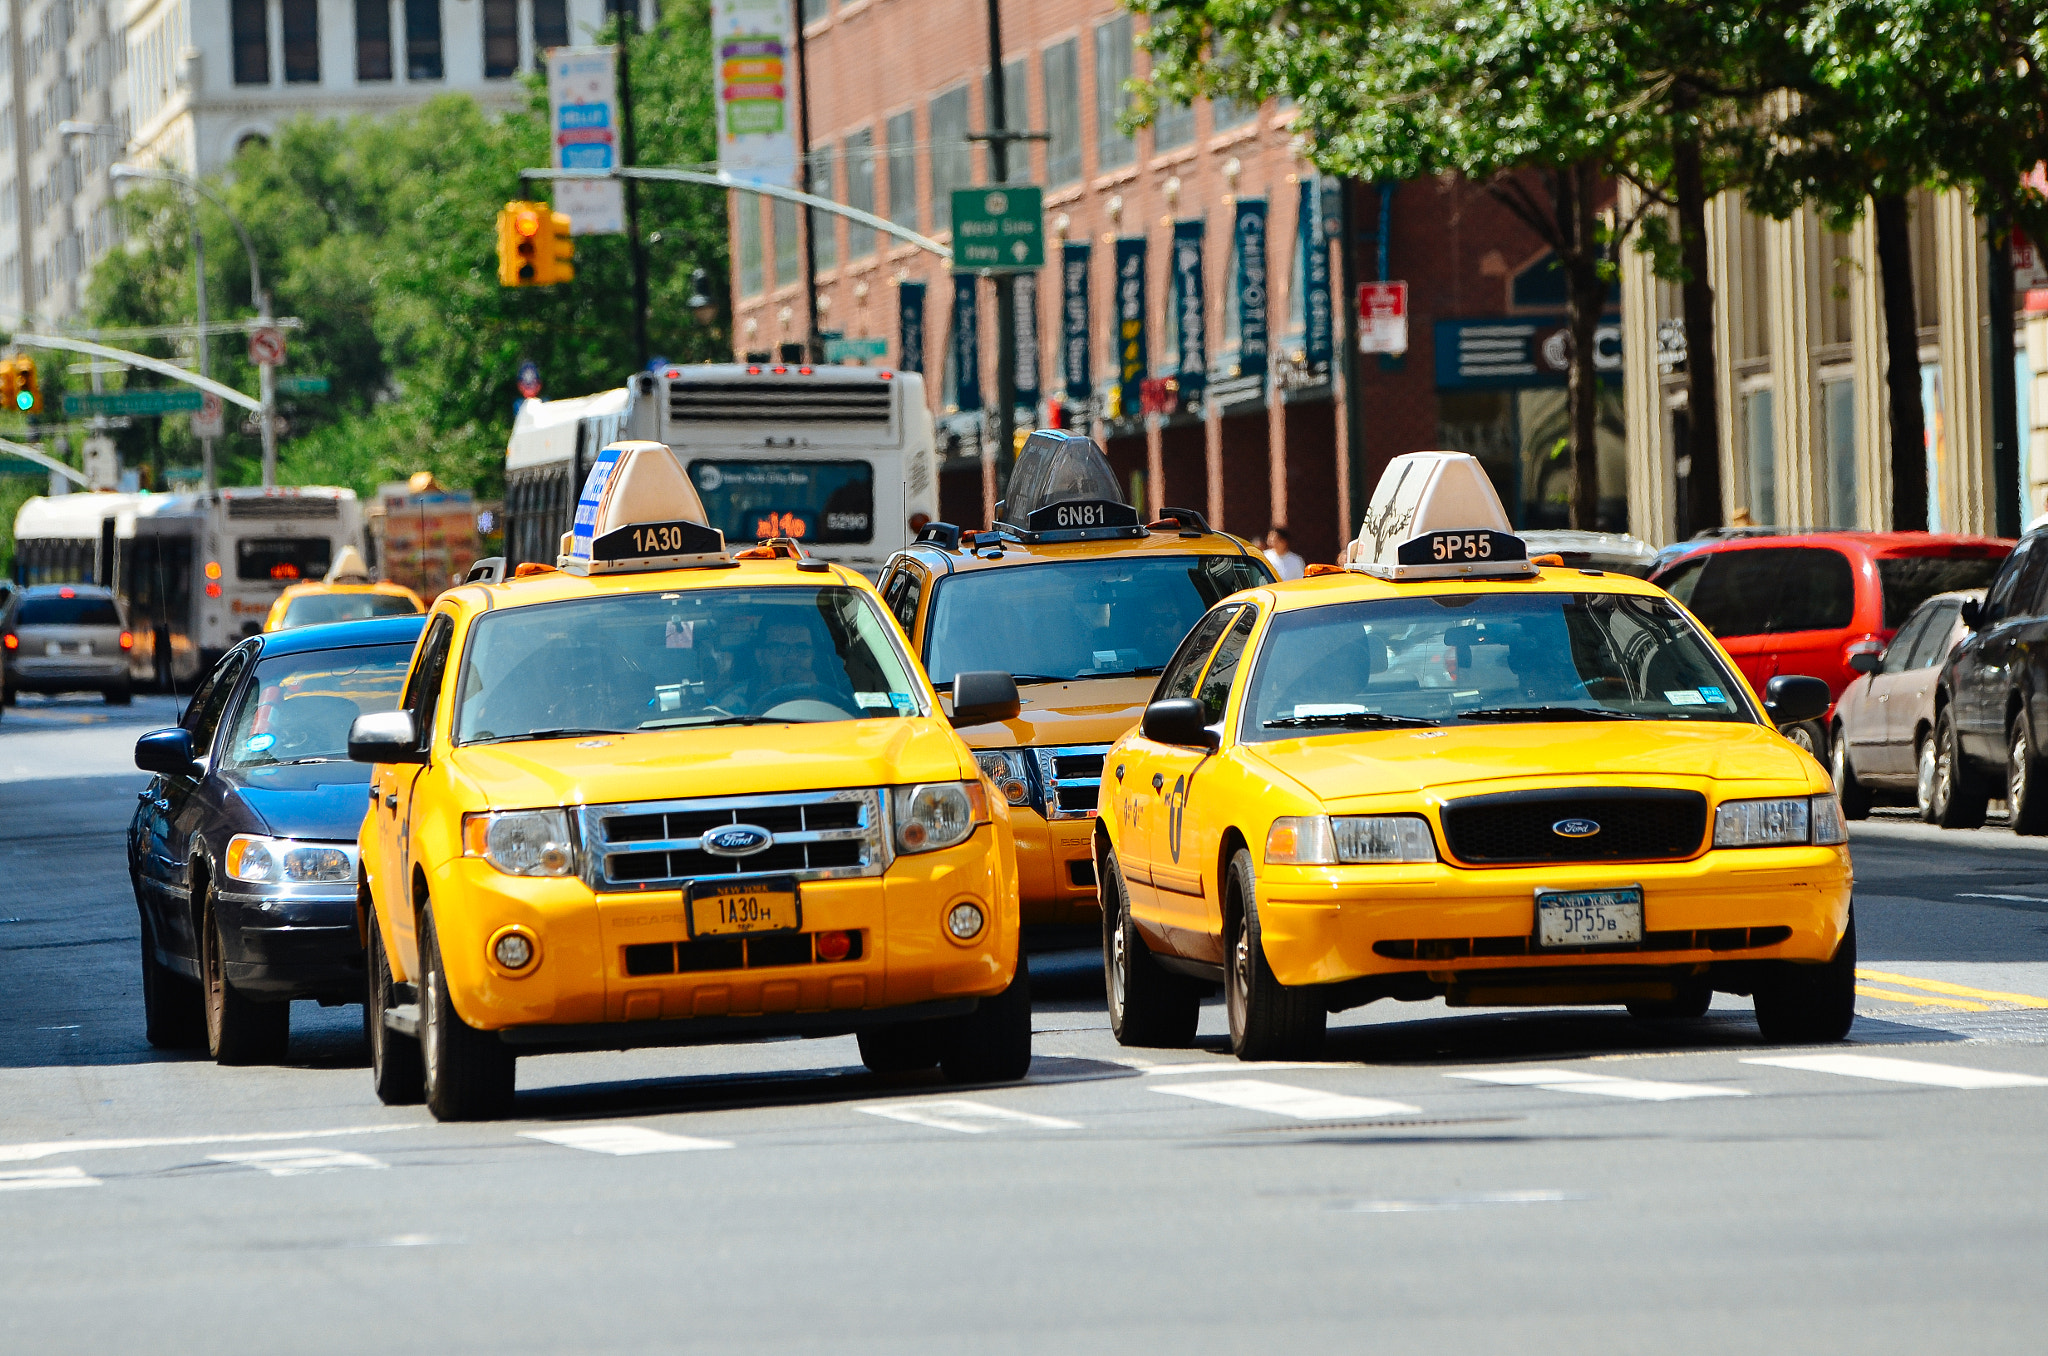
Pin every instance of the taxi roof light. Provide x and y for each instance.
(1063, 489)
(639, 512)
(1434, 515)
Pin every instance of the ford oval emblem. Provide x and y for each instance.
(1575, 828)
(737, 840)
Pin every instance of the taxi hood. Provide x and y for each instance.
(734, 760)
(1077, 711)
(1409, 762)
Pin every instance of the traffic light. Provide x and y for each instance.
(28, 391)
(558, 255)
(10, 382)
(534, 246)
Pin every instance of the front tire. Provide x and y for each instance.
(239, 1029)
(2026, 780)
(1809, 735)
(992, 1044)
(1268, 1019)
(1958, 802)
(1148, 1005)
(1853, 794)
(1811, 1004)
(468, 1073)
(396, 1068)
(908, 1047)
(173, 1009)
(1688, 1004)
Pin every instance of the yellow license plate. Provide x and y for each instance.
(768, 905)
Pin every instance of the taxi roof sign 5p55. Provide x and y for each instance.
(1435, 515)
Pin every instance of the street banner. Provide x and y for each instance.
(1248, 287)
(584, 130)
(1383, 317)
(1315, 280)
(1190, 317)
(910, 327)
(1074, 319)
(1131, 357)
(1026, 311)
(755, 54)
(965, 343)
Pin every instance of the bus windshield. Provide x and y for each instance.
(830, 503)
(289, 559)
(1120, 616)
(653, 661)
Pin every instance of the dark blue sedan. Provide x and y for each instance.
(243, 851)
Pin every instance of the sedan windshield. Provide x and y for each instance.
(300, 707)
(314, 609)
(650, 661)
(1472, 659)
(1088, 618)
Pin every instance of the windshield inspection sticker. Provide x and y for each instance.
(1685, 696)
(873, 701)
(1105, 659)
(669, 697)
(904, 704)
(1714, 695)
(260, 743)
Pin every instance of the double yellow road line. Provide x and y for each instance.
(1959, 997)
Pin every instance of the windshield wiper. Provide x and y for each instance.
(1358, 719)
(318, 758)
(1143, 671)
(1544, 713)
(692, 722)
(563, 732)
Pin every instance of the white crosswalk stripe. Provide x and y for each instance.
(300, 1162)
(623, 1140)
(965, 1117)
(42, 1179)
(1600, 1085)
(1303, 1104)
(1892, 1070)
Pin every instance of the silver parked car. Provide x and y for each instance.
(1881, 745)
(67, 638)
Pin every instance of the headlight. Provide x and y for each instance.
(938, 815)
(522, 842)
(283, 861)
(1324, 840)
(1010, 770)
(1781, 821)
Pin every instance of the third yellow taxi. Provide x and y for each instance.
(345, 593)
(1446, 771)
(1083, 604)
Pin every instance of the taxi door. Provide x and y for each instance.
(391, 788)
(903, 589)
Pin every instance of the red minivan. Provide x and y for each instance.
(1821, 603)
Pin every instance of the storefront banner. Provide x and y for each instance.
(1511, 354)
(583, 125)
(966, 343)
(1315, 273)
(1025, 299)
(910, 327)
(1253, 336)
(756, 76)
(1191, 315)
(1130, 325)
(1074, 319)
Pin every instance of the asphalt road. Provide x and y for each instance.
(1515, 1181)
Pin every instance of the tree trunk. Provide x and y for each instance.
(1892, 218)
(1702, 372)
(1585, 298)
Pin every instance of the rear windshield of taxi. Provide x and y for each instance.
(75, 611)
(316, 609)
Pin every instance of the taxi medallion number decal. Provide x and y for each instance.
(766, 905)
(1461, 548)
(1572, 918)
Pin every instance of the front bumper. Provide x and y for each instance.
(302, 944)
(1056, 869)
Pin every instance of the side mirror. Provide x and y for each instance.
(168, 752)
(1972, 614)
(1179, 720)
(384, 737)
(1866, 661)
(983, 697)
(1793, 697)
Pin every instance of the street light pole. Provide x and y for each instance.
(1006, 292)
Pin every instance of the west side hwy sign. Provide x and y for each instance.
(999, 229)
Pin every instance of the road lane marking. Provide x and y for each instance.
(42, 1179)
(1303, 1104)
(2013, 899)
(623, 1140)
(21, 1153)
(961, 1116)
(2025, 1000)
(1188, 1066)
(1463, 1202)
(1600, 1085)
(1902, 1071)
(300, 1162)
(1894, 996)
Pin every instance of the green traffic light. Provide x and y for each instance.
(25, 400)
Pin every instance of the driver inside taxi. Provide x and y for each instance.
(781, 665)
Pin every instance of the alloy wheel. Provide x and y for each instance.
(1926, 770)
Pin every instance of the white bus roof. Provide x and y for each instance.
(71, 517)
(544, 431)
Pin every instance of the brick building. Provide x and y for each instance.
(1205, 233)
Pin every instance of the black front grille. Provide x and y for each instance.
(628, 867)
(1078, 799)
(1636, 824)
(1457, 948)
(841, 814)
(733, 953)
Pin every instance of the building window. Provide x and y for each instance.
(1173, 127)
(1761, 436)
(550, 25)
(373, 39)
(423, 39)
(1062, 113)
(788, 245)
(1838, 442)
(251, 20)
(301, 42)
(746, 215)
(1112, 68)
(860, 190)
(824, 227)
(952, 158)
(903, 169)
(814, 10)
(501, 39)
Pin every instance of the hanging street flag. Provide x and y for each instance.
(755, 55)
(583, 125)
(1315, 260)
(966, 344)
(1249, 287)
(1074, 319)
(1383, 317)
(1026, 311)
(910, 327)
(1130, 325)
(1191, 315)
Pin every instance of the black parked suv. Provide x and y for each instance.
(1991, 704)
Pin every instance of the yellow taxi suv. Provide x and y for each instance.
(1445, 771)
(347, 593)
(1083, 604)
(669, 794)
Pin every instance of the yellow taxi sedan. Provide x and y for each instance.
(1447, 772)
(319, 603)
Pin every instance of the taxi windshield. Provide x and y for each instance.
(314, 609)
(653, 661)
(1471, 659)
(300, 707)
(1113, 617)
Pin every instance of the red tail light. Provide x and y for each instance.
(213, 590)
(833, 946)
(127, 640)
(10, 641)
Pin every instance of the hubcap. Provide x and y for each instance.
(1802, 736)
(1943, 772)
(1116, 966)
(427, 1023)
(1838, 759)
(1923, 783)
(2016, 768)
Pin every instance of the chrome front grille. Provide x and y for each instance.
(659, 845)
(1071, 778)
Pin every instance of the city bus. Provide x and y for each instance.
(842, 459)
(198, 571)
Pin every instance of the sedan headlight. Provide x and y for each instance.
(938, 814)
(1328, 840)
(1779, 822)
(522, 842)
(1010, 770)
(256, 860)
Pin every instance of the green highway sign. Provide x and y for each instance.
(999, 229)
(866, 350)
(180, 401)
(302, 386)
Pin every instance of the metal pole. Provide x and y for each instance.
(629, 24)
(1006, 294)
(813, 345)
(205, 354)
(266, 376)
(2009, 511)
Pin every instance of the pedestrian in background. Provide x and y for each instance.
(1280, 553)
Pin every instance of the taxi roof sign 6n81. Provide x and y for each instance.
(639, 511)
(1434, 515)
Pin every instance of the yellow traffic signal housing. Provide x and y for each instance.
(534, 246)
(10, 382)
(560, 250)
(28, 391)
